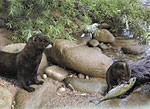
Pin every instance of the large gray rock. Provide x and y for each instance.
(104, 35)
(83, 59)
(13, 48)
(137, 49)
(6, 98)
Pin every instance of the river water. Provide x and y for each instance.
(146, 2)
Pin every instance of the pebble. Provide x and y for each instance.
(44, 76)
(81, 76)
(93, 43)
(87, 77)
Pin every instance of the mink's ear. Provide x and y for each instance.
(34, 39)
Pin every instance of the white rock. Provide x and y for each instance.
(44, 76)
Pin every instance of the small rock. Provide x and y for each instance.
(103, 46)
(87, 77)
(83, 94)
(70, 87)
(81, 76)
(44, 76)
(1, 84)
(104, 35)
(86, 86)
(93, 43)
(56, 73)
(12, 107)
(61, 89)
(104, 26)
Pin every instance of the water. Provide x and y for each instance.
(90, 29)
(126, 31)
(145, 2)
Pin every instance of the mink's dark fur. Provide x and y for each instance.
(118, 73)
(24, 65)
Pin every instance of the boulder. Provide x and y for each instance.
(14, 48)
(135, 50)
(86, 86)
(56, 72)
(93, 43)
(83, 59)
(6, 98)
(104, 35)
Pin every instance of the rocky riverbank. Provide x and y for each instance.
(75, 74)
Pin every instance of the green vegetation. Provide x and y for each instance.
(60, 18)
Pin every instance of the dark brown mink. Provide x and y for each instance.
(119, 72)
(24, 65)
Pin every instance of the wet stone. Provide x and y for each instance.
(44, 76)
(85, 85)
(56, 72)
(87, 77)
(81, 76)
(104, 35)
(135, 50)
(103, 46)
(93, 43)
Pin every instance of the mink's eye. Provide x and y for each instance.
(45, 41)
(124, 75)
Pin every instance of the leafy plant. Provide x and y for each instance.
(55, 18)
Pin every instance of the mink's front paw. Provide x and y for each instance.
(39, 82)
(30, 89)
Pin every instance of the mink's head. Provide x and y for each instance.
(122, 70)
(40, 41)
